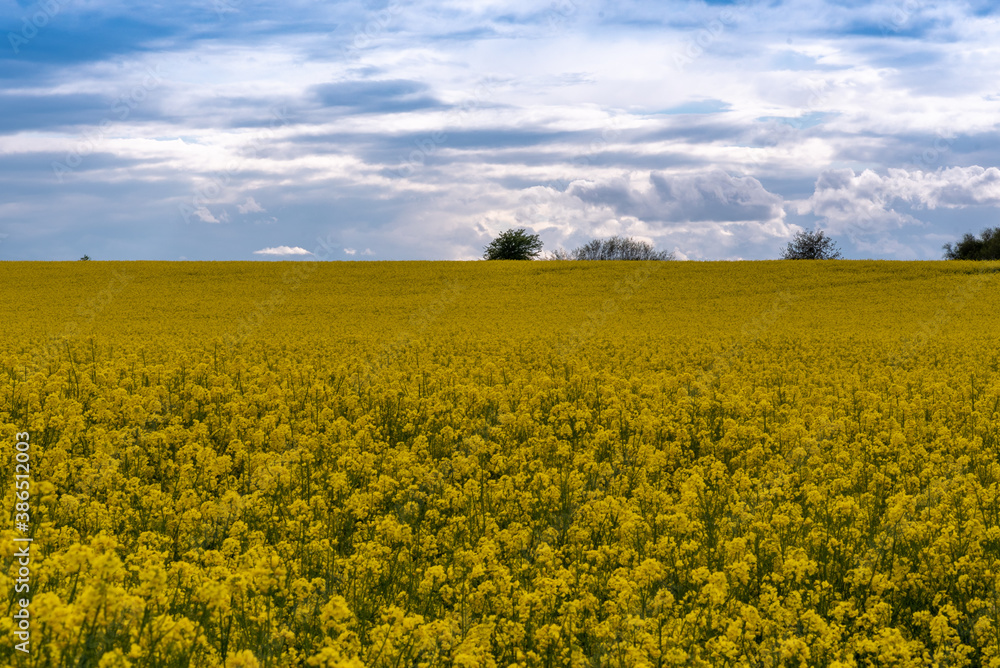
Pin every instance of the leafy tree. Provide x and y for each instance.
(514, 245)
(615, 248)
(811, 245)
(85, 257)
(986, 247)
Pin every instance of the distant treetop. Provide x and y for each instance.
(811, 245)
(985, 247)
(513, 245)
(615, 248)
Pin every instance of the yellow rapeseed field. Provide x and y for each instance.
(501, 464)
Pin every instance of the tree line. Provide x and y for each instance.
(519, 245)
(805, 245)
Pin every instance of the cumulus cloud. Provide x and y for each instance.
(282, 250)
(713, 196)
(250, 206)
(868, 202)
(350, 251)
(697, 215)
(561, 141)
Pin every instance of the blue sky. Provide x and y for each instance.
(412, 130)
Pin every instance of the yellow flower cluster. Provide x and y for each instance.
(506, 464)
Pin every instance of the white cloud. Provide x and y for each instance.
(665, 198)
(282, 250)
(867, 202)
(699, 215)
(205, 215)
(951, 188)
(574, 99)
(250, 206)
(367, 251)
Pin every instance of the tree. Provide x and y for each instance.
(617, 248)
(514, 245)
(85, 257)
(559, 254)
(986, 247)
(814, 245)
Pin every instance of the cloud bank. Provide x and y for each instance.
(419, 130)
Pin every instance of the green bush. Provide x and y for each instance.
(514, 245)
(986, 247)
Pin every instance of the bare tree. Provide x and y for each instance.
(615, 248)
(811, 245)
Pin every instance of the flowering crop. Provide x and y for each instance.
(496, 464)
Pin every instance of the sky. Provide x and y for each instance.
(419, 130)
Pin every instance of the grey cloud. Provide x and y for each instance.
(835, 179)
(24, 111)
(467, 139)
(706, 196)
(718, 196)
(385, 96)
(619, 196)
(869, 202)
(694, 133)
